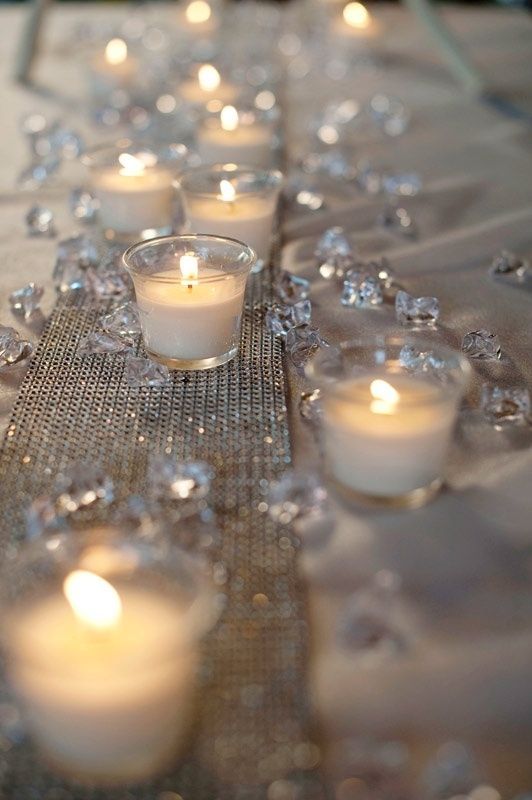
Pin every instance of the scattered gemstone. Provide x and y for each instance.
(40, 222)
(123, 321)
(83, 205)
(26, 301)
(368, 178)
(418, 311)
(69, 277)
(103, 343)
(509, 265)
(142, 372)
(333, 163)
(405, 184)
(421, 361)
(291, 288)
(299, 193)
(332, 244)
(482, 344)
(451, 772)
(296, 495)
(41, 516)
(38, 172)
(108, 284)
(381, 269)
(83, 485)
(282, 318)
(179, 480)
(80, 250)
(397, 220)
(389, 114)
(361, 290)
(302, 341)
(505, 405)
(13, 349)
(310, 406)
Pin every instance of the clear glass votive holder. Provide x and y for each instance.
(134, 184)
(236, 201)
(101, 635)
(237, 135)
(190, 294)
(389, 410)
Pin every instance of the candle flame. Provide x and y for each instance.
(93, 600)
(227, 191)
(131, 165)
(356, 15)
(209, 78)
(385, 397)
(198, 11)
(229, 118)
(188, 264)
(116, 51)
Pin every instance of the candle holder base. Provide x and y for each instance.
(193, 363)
(409, 500)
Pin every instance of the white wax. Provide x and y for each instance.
(199, 322)
(248, 219)
(191, 92)
(107, 706)
(107, 76)
(134, 203)
(387, 454)
(247, 144)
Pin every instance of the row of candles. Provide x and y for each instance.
(104, 651)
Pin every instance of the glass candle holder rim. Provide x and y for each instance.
(229, 168)
(91, 157)
(62, 554)
(202, 279)
(316, 369)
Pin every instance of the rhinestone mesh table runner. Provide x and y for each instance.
(252, 707)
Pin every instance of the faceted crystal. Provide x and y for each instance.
(108, 284)
(361, 290)
(332, 244)
(482, 344)
(296, 495)
(509, 265)
(421, 361)
(406, 184)
(42, 516)
(179, 480)
(80, 250)
(26, 301)
(310, 406)
(81, 486)
(389, 114)
(381, 269)
(302, 341)
(66, 142)
(291, 288)
(69, 277)
(505, 405)
(101, 342)
(38, 172)
(7, 336)
(418, 311)
(333, 163)
(282, 318)
(83, 205)
(123, 321)
(14, 352)
(143, 372)
(368, 178)
(298, 192)
(40, 222)
(397, 220)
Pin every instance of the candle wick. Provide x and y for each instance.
(190, 287)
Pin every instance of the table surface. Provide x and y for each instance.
(465, 561)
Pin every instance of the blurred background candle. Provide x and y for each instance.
(197, 19)
(104, 660)
(235, 137)
(190, 294)
(233, 201)
(207, 85)
(354, 23)
(114, 68)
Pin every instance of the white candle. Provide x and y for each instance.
(189, 319)
(231, 138)
(207, 86)
(355, 23)
(135, 195)
(105, 672)
(197, 19)
(387, 435)
(114, 68)
(248, 218)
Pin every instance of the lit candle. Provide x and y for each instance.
(105, 671)
(208, 85)
(114, 68)
(234, 202)
(197, 19)
(190, 308)
(355, 23)
(232, 137)
(135, 193)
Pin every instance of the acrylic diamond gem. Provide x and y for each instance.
(361, 290)
(332, 244)
(80, 250)
(503, 405)
(406, 184)
(179, 480)
(38, 172)
(291, 288)
(26, 301)
(83, 205)
(416, 311)
(302, 341)
(69, 277)
(482, 344)
(40, 222)
(381, 269)
(397, 220)
(14, 352)
(368, 178)
(282, 318)
(103, 343)
(421, 361)
(310, 406)
(108, 284)
(123, 321)
(509, 266)
(296, 495)
(145, 373)
(389, 114)
(83, 485)
(452, 772)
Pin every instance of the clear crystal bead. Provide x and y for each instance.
(389, 114)
(482, 344)
(38, 172)
(291, 288)
(332, 163)
(508, 265)
(310, 406)
(296, 495)
(300, 194)
(69, 277)
(179, 480)
(66, 142)
(40, 222)
(381, 269)
(402, 184)
(123, 320)
(83, 485)
(26, 301)
(143, 372)
(282, 318)
(332, 243)
(452, 771)
(504, 405)
(15, 351)
(361, 290)
(368, 178)
(397, 220)
(108, 284)
(43, 516)
(302, 341)
(418, 311)
(80, 250)
(421, 361)
(102, 343)
(83, 205)
(7, 336)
